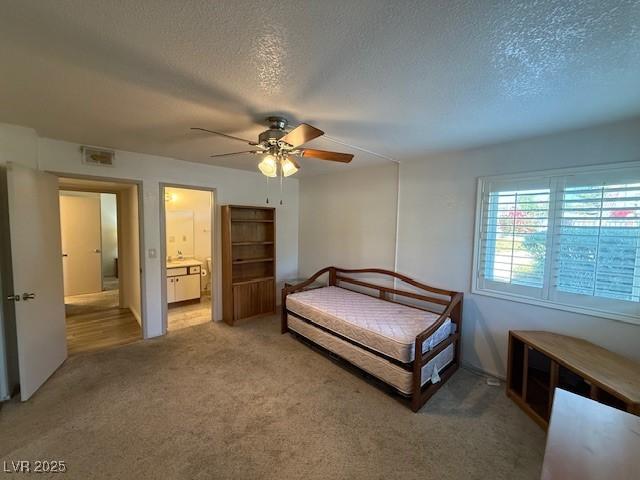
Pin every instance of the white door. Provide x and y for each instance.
(81, 242)
(34, 228)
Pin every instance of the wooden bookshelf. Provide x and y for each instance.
(248, 262)
(540, 362)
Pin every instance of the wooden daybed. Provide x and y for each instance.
(376, 333)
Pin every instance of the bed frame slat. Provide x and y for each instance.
(383, 290)
(430, 354)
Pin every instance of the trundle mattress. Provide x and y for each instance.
(377, 366)
(386, 327)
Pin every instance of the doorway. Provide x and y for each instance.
(188, 246)
(89, 232)
(100, 238)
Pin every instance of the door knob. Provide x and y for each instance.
(97, 250)
(13, 298)
(65, 254)
(28, 296)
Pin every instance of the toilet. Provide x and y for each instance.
(210, 273)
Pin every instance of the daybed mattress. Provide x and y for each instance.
(378, 367)
(386, 327)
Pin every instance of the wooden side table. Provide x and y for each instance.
(541, 361)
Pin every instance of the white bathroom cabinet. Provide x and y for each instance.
(183, 284)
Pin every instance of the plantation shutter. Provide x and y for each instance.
(514, 236)
(569, 238)
(596, 241)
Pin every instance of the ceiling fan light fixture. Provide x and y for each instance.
(268, 166)
(288, 167)
(277, 144)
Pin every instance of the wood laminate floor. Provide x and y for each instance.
(95, 322)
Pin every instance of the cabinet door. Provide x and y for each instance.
(171, 290)
(187, 287)
(266, 296)
(253, 299)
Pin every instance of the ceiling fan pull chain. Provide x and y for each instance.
(267, 189)
(281, 182)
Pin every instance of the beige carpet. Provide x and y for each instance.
(215, 402)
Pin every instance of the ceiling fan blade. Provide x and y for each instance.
(234, 153)
(303, 133)
(324, 155)
(224, 135)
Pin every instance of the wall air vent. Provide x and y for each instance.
(97, 156)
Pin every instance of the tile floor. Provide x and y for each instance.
(183, 316)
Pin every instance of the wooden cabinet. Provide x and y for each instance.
(253, 298)
(187, 287)
(248, 262)
(540, 362)
(171, 289)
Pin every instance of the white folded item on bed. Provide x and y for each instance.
(386, 327)
(380, 368)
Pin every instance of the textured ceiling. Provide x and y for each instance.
(396, 77)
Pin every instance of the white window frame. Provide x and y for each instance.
(513, 294)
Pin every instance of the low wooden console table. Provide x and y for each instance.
(541, 361)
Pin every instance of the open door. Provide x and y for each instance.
(38, 296)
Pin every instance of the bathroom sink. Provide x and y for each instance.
(187, 262)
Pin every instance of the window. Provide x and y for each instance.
(569, 239)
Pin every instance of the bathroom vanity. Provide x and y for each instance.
(183, 280)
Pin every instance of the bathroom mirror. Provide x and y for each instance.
(180, 233)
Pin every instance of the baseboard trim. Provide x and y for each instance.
(482, 372)
(136, 315)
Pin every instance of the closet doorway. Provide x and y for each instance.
(187, 250)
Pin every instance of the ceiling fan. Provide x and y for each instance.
(281, 147)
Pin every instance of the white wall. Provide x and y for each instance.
(437, 196)
(19, 145)
(232, 186)
(348, 219)
(109, 230)
(436, 226)
(129, 259)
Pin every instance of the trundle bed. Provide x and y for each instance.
(376, 333)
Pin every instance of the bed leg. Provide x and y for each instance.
(416, 393)
(456, 316)
(415, 403)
